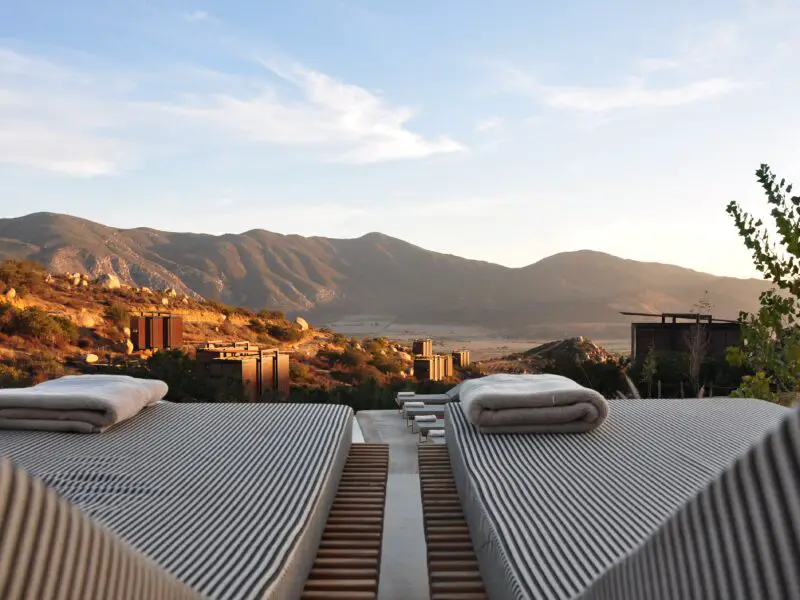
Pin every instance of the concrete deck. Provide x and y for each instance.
(358, 436)
(404, 571)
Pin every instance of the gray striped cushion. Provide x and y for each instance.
(229, 498)
(49, 549)
(549, 513)
(738, 539)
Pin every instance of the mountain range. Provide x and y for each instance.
(325, 278)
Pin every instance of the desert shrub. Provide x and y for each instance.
(329, 356)
(7, 314)
(23, 275)
(342, 376)
(375, 345)
(271, 315)
(11, 376)
(118, 314)
(220, 307)
(387, 364)
(38, 324)
(258, 326)
(365, 373)
(368, 395)
(338, 339)
(353, 358)
(299, 371)
(285, 333)
(39, 367)
(264, 339)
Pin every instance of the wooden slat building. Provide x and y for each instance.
(422, 347)
(433, 368)
(675, 331)
(156, 331)
(460, 358)
(264, 373)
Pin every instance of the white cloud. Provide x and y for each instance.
(348, 122)
(699, 66)
(50, 120)
(489, 124)
(197, 15)
(658, 64)
(634, 95)
(69, 121)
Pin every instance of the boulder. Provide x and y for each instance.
(302, 323)
(165, 301)
(76, 279)
(109, 281)
(185, 300)
(11, 294)
(91, 358)
(85, 319)
(171, 292)
(145, 290)
(84, 283)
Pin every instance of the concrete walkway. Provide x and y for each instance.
(404, 570)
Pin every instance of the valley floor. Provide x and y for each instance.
(482, 343)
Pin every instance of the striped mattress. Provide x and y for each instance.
(548, 514)
(225, 497)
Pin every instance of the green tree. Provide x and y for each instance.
(649, 370)
(771, 337)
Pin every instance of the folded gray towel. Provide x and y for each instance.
(78, 403)
(531, 404)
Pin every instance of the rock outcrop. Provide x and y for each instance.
(109, 281)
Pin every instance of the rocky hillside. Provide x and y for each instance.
(56, 324)
(576, 292)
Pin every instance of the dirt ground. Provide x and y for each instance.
(482, 343)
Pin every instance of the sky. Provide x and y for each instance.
(503, 131)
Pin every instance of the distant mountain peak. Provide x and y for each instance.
(325, 278)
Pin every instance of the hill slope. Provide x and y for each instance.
(327, 278)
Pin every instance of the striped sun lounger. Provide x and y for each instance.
(552, 514)
(220, 496)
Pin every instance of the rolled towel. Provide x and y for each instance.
(531, 404)
(453, 392)
(436, 433)
(78, 403)
(425, 419)
(414, 404)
